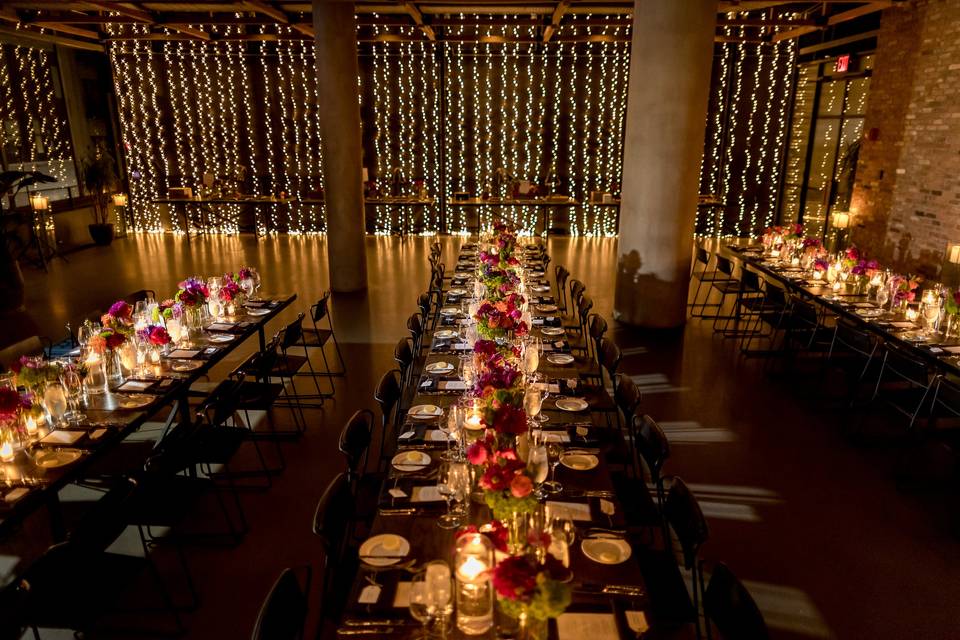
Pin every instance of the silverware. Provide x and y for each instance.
(384, 622)
(399, 511)
(365, 631)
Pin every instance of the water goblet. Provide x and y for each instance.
(449, 486)
(538, 463)
(554, 451)
(76, 396)
(55, 402)
(419, 605)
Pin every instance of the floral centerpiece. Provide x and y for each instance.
(33, 373)
(501, 318)
(506, 484)
(230, 290)
(498, 282)
(904, 288)
(155, 335)
(193, 293)
(532, 591)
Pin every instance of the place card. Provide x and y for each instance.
(97, 434)
(637, 621)
(370, 594)
(184, 353)
(63, 437)
(570, 510)
(462, 346)
(406, 435)
(429, 493)
(221, 326)
(397, 493)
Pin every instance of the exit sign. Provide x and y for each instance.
(843, 64)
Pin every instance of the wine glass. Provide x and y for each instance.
(531, 357)
(544, 394)
(451, 428)
(439, 594)
(256, 284)
(449, 485)
(554, 451)
(532, 402)
(883, 295)
(73, 384)
(563, 533)
(420, 601)
(86, 331)
(538, 464)
(55, 402)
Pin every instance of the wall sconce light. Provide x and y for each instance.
(840, 219)
(953, 253)
(39, 202)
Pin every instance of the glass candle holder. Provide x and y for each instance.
(474, 560)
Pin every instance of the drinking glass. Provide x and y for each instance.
(86, 331)
(440, 588)
(73, 384)
(532, 402)
(449, 486)
(531, 357)
(554, 451)
(538, 464)
(563, 533)
(55, 402)
(883, 295)
(420, 601)
(256, 284)
(544, 394)
(451, 428)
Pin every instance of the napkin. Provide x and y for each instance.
(401, 598)
(63, 437)
(428, 493)
(135, 385)
(553, 387)
(555, 436)
(184, 353)
(903, 325)
(452, 385)
(597, 626)
(571, 510)
(220, 326)
(435, 435)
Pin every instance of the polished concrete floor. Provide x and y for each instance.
(814, 525)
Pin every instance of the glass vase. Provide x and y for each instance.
(517, 533)
(112, 368)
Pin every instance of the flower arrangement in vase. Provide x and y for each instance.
(532, 592)
(502, 318)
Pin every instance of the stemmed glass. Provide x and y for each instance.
(452, 483)
(532, 402)
(538, 463)
(451, 428)
(531, 356)
(431, 596)
(420, 609)
(55, 401)
(563, 533)
(554, 451)
(86, 331)
(256, 284)
(73, 384)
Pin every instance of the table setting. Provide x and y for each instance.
(498, 507)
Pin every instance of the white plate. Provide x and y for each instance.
(445, 334)
(410, 461)
(257, 312)
(869, 313)
(579, 461)
(185, 365)
(572, 404)
(52, 458)
(606, 549)
(915, 337)
(133, 402)
(424, 411)
(449, 311)
(540, 288)
(392, 546)
(560, 358)
(546, 308)
(456, 292)
(220, 337)
(439, 367)
(552, 331)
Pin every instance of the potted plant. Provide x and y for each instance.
(11, 279)
(99, 179)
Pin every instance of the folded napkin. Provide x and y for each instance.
(63, 437)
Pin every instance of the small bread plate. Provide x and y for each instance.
(425, 412)
(410, 461)
(560, 358)
(449, 311)
(606, 548)
(456, 293)
(384, 550)
(579, 461)
(552, 331)
(257, 312)
(546, 308)
(54, 458)
(446, 334)
(869, 313)
(133, 401)
(439, 367)
(185, 365)
(220, 338)
(572, 404)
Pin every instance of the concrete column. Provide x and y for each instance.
(670, 62)
(336, 45)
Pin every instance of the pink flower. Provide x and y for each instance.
(477, 453)
(521, 485)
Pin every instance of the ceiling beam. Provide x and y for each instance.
(121, 9)
(835, 19)
(417, 17)
(65, 28)
(737, 21)
(30, 34)
(555, 19)
(267, 10)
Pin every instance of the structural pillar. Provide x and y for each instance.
(335, 38)
(670, 62)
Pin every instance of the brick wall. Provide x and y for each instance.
(907, 192)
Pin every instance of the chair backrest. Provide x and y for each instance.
(731, 608)
(946, 398)
(776, 295)
(724, 266)
(387, 395)
(262, 363)
(749, 280)
(609, 357)
(703, 257)
(292, 334)
(906, 366)
(320, 308)
(805, 312)
(403, 355)
(423, 302)
(853, 338)
(222, 403)
(683, 513)
(597, 328)
(415, 327)
(576, 291)
(583, 309)
(105, 520)
(284, 611)
(355, 441)
(652, 444)
(332, 517)
(626, 394)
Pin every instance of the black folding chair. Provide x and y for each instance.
(318, 336)
(683, 515)
(729, 607)
(388, 395)
(284, 611)
(331, 525)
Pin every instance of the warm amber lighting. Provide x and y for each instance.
(120, 199)
(39, 202)
(840, 219)
(953, 253)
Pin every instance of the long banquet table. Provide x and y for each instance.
(27, 486)
(608, 590)
(942, 354)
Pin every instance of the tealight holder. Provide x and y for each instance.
(473, 561)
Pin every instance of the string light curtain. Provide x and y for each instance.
(33, 128)
(747, 126)
(242, 113)
(529, 108)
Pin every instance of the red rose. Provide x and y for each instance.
(521, 485)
